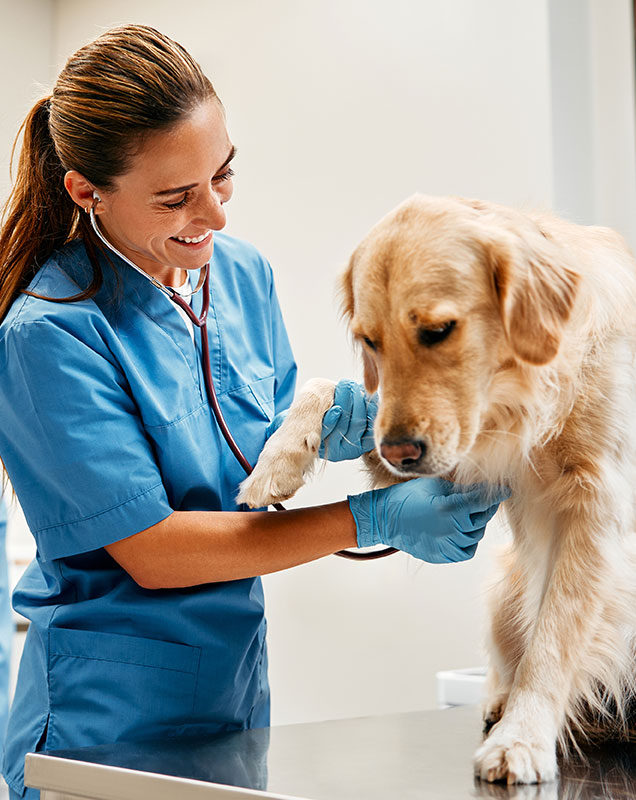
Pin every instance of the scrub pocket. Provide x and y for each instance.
(106, 687)
(263, 393)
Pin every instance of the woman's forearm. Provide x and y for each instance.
(189, 548)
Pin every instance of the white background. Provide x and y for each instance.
(340, 110)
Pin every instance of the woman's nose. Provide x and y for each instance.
(212, 211)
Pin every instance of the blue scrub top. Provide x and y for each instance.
(106, 430)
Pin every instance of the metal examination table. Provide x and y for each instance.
(419, 755)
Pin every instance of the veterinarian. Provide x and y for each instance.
(144, 598)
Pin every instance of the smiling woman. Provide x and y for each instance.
(166, 231)
(86, 135)
(107, 436)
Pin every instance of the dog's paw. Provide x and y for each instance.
(508, 755)
(281, 470)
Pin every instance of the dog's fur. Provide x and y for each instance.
(534, 387)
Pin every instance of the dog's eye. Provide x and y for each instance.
(432, 336)
(369, 343)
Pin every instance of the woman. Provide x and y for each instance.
(146, 612)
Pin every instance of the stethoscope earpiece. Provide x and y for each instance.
(96, 199)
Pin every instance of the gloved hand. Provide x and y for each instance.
(347, 427)
(430, 518)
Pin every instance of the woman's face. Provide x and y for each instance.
(173, 192)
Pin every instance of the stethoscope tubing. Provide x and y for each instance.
(201, 323)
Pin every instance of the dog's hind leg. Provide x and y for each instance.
(558, 659)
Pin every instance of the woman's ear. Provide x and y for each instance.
(535, 289)
(82, 192)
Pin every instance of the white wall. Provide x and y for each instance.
(592, 77)
(340, 110)
(612, 47)
(26, 45)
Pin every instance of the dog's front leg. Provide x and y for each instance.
(290, 453)
(521, 747)
(508, 632)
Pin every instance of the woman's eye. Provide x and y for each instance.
(432, 336)
(224, 176)
(180, 203)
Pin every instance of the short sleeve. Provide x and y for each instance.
(72, 439)
(285, 364)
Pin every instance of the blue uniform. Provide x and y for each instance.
(105, 431)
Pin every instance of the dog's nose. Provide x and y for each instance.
(403, 454)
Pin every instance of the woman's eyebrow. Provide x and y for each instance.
(180, 189)
(176, 190)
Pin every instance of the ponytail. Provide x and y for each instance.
(39, 215)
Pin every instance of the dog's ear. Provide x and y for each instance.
(535, 288)
(347, 306)
(345, 290)
(371, 377)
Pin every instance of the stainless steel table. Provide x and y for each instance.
(414, 756)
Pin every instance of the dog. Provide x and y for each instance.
(503, 346)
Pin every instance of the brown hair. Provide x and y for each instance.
(129, 82)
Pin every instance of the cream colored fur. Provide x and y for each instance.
(535, 388)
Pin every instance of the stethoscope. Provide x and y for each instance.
(201, 323)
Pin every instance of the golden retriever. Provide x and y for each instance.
(502, 344)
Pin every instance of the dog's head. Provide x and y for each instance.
(441, 295)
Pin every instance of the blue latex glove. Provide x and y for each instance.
(430, 518)
(347, 427)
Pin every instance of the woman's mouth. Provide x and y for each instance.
(192, 241)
